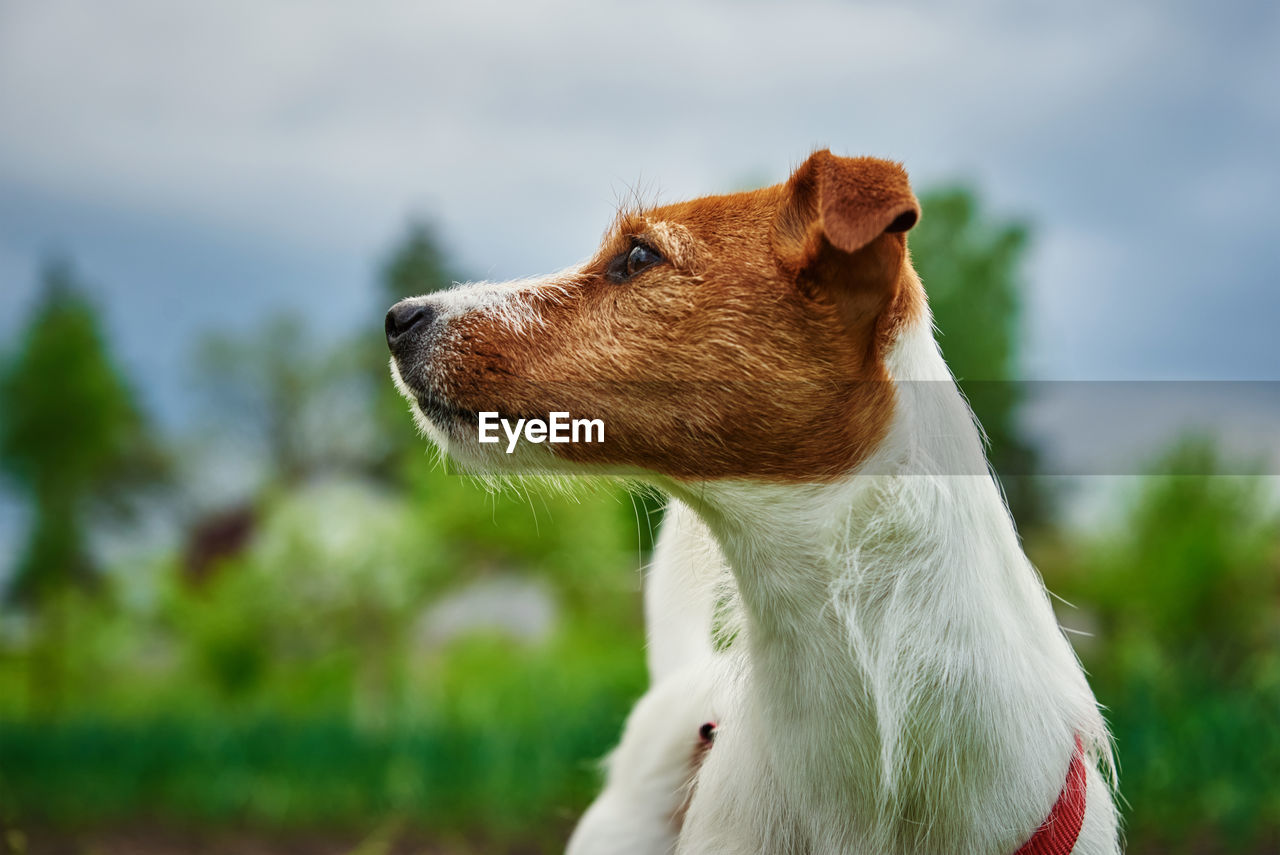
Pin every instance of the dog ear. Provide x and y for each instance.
(842, 202)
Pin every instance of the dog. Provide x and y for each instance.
(895, 680)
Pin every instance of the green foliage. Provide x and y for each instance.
(1204, 550)
(323, 608)
(970, 264)
(493, 756)
(1186, 594)
(276, 391)
(293, 687)
(72, 437)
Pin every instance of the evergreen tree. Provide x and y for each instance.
(75, 443)
(72, 437)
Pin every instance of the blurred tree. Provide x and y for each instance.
(72, 436)
(277, 392)
(417, 265)
(1184, 592)
(970, 265)
(74, 441)
(1212, 544)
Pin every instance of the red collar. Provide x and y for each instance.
(1058, 833)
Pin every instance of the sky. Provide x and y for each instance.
(208, 165)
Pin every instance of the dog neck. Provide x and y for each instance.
(903, 657)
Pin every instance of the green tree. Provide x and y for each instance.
(307, 408)
(1182, 592)
(1195, 570)
(75, 443)
(970, 264)
(276, 390)
(72, 437)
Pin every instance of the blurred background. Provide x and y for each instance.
(245, 610)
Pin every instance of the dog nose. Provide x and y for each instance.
(404, 317)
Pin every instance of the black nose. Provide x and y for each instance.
(403, 317)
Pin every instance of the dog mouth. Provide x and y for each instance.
(435, 407)
(444, 412)
(441, 411)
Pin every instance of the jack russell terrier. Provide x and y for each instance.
(894, 680)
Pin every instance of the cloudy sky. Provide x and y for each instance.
(209, 163)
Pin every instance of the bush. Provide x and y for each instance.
(1186, 591)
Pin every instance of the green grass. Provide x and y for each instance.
(506, 752)
(519, 781)
(1198, 762)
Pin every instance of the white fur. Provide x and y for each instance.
(509, 302)
(902, 685)
(907, 686)
(687, 577)
(648, 776)
(650, 772)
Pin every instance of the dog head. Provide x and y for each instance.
(736, 336)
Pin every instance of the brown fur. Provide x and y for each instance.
(756, 350)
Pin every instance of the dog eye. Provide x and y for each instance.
(639, 258)
(636, 260)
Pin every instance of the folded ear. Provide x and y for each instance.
(846, 202)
